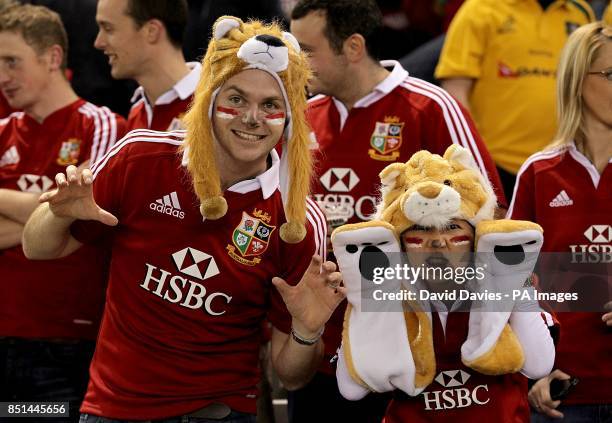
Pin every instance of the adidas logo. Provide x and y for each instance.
(168, 204)
(10, 156)
(561, 200)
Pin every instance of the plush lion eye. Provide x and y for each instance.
(447, 182)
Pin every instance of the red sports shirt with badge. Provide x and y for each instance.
(562, 191)
(401, 116)
(56, 298)
(459, 393)
(186, 298)
(169, 108)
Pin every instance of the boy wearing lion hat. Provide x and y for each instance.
(450, 347)
(198, 223)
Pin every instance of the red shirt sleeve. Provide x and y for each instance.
(296, 260)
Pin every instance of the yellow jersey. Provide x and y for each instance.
(607, 15)
(511, 48)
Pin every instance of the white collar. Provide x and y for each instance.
(268, 181)
(586, 163)
(182, 89)
(393, 80)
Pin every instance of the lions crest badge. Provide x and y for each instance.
(69, 152)
(386, 139)
(251, 238)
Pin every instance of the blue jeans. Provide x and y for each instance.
(234, 417)
(33, 370)
(588, 413)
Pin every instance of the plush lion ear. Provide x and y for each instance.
(389, 176)
(461, 155)
(225, 24)
(287, 36)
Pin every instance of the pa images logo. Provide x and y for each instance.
(251, 238)
(386, 139)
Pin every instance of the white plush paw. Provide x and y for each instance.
(362, 248)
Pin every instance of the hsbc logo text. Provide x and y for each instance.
(600, 248)
(341, 207)
(457, 396)
(184, 291)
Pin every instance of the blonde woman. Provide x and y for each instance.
(567, 189)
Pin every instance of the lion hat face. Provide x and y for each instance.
(237, 46)
(430, 190)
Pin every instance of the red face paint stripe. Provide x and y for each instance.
(228, 110)
(460, 238)
(279, 115)
(413, 240)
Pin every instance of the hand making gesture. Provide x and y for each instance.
(73, 197)
(313, 300)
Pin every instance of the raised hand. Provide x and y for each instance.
(73, 197)
(313, 300)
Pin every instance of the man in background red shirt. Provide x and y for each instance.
(142, 40)
(47, 330)
(361, 124)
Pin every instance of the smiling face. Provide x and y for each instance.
(120, 39)
(24, 74)
(248, 120)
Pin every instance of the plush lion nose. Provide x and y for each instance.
(270, 40)
(430, 191)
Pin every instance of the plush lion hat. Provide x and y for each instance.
(430, 190)
(234, 47)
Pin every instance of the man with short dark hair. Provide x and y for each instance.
(142, 40)
(366, 115)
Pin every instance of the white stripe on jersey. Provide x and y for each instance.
(456, 123)
(542, 155)
(130, 138)
(179, 133)
(319, 224)
(105, 129)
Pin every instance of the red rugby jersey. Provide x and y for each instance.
(458, 393)
(401, 116)
(562, 191)
(169, 108)
(52, 298)
(186, 298)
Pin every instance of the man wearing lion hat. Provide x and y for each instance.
(447, 357)
(199, 225)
